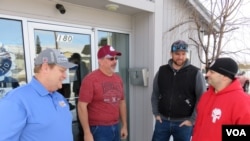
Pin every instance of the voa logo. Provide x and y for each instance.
(236, 132)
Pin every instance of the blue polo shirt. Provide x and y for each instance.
(31, 113)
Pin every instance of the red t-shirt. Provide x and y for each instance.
(103, 93)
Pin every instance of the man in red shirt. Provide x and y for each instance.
(101, 100)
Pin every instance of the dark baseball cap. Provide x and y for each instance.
(179, 46)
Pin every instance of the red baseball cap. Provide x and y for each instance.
(107, 50)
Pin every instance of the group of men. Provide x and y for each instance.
(180, 101)
(186, 110)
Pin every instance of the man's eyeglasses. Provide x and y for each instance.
(112, 58)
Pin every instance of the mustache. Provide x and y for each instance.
(179, 64)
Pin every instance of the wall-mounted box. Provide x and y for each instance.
(138, 76)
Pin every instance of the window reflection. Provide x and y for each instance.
(12, 66)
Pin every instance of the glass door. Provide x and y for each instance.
(12, 54)
(76, 44)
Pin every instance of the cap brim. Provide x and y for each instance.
(181, 50)
(113, 53)
(67, 65)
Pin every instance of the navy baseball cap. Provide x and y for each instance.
(179, 46)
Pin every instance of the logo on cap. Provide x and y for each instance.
(111, 48)
(45, 59)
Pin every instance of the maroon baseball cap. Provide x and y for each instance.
(107, 50)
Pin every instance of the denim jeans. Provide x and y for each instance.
(106, 133)
(164, 130)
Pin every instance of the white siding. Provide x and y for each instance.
(175, 13)
(141, 125)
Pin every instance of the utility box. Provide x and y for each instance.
(138, 76)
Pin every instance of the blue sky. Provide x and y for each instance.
(11, 35)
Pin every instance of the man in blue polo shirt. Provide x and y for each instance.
(36, 111)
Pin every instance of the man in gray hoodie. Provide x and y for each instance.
(177, 88)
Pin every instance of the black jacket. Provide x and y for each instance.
(177, 89)
(176, 93)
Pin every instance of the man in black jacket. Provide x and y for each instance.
(177, 88)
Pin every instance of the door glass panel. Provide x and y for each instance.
(120, 42)
(77, 47)
(12, 63)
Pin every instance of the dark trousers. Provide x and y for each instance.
(80, 130)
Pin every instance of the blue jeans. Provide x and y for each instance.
(164, 130)
(106, 133)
